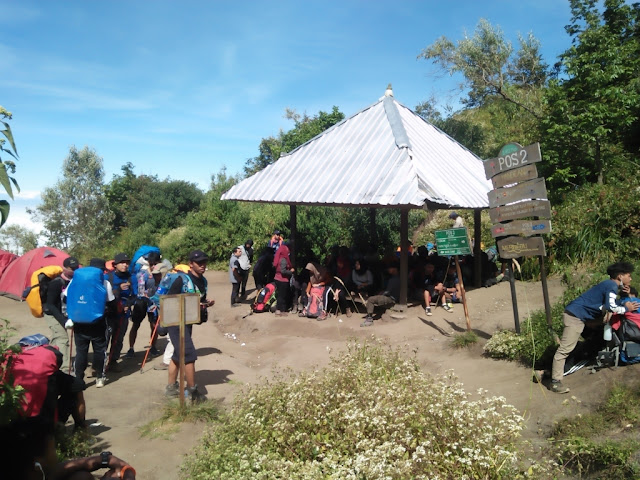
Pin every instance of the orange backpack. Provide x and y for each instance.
(36, 294)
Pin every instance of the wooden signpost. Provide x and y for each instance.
(180, 310)
(517, 205)
(455, 241)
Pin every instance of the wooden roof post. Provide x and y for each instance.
(477, 248)
(404, 258)
(293, 222)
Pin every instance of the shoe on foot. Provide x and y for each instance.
(349, 312)
(130, 353)
(368, 321)
(114, 367)
(172, 390)
(558, 387)
(323, 316)
(428, 311)
(100, 382)
(154, 352)
(194, 394)
(447, 308)
(162, 366)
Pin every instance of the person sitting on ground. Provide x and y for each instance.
(54, 309)
(385, 299)
(235, 275)
(195, 282)
(49, 392)
(362, 279)
(28, 452)
(589, 309)
(450, 290)
(628, 294)
(145, 284)
(431, 281)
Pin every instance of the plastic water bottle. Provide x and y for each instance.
(607, 332)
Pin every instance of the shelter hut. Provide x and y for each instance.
(384, 156)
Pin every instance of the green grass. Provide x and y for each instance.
(173, 416)
(464, 340)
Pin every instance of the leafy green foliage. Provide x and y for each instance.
(10, 396)
(370, 414)
(7, 166)
(464, 340)
(18, 239)
(75, 212)
(173, 415)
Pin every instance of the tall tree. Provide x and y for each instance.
(305, 128)
(7, 166)
(18, 239)
(75, 211)
(594, 103)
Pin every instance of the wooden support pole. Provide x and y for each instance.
(477, 248)
(464, 296)
(293, 222)
(404, 258)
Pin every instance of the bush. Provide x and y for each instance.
(10, 397)
(370, 414)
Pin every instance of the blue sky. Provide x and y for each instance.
(181, 89)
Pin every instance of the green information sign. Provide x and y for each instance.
(454, 241)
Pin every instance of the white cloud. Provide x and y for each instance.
(28, 194)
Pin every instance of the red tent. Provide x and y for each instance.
(5, 259)
(17, 275)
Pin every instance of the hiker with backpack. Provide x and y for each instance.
(263, 271)
(52, 306)
(121, 283)
(89, 298)
(192, 282)
(284, 271)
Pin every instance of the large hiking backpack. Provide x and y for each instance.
(32, 369)
(315, 302)
(265, 299)
(140, 258)
(86, 295)
(36, 294)
(629, 334)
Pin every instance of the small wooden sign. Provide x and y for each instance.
(521, 227)
(522, 191)
(528, 172)
(512, 155)
(514, 247)
(532, 208)
(173, 306)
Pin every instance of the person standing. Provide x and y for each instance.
(246, 259)
(120, 280)
(235, 275)
(193, 282)
(458, 221)
(590, 308)
(284, 271)
(54, 311)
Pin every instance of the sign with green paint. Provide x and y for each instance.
(512, 155)
(454, 241)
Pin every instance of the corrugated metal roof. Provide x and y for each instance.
(383, 156)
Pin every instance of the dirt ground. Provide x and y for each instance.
(233, 351)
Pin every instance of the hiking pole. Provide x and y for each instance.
(146, 355)
(70, 350)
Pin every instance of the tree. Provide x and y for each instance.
(305, 128)
(75, 212)
(7, 166)
(18, 239)
(594, 103)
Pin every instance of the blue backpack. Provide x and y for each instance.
(86, 295)
(143, 251)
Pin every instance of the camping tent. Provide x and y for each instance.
(17, 275)
(5, 259)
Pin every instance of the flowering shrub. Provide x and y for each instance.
(370, 414)
(505, 344)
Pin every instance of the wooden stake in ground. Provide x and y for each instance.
(464, 297)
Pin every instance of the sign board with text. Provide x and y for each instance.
(170, 306)
(512, 155)
(515, 211)
(514, 247)
(532, 189)
(454, 241)
(522, 174)
(521, 227)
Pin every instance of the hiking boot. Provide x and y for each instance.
(172, 390)
(100, 382)
(194, 395)
(558, 387)
(130, 354)
(349, 312)
(427, 311)
(162, 366)
(368, 321)
(447, 308)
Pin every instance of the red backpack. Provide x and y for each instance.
(32, 369)
(315, 304)
(265, 299)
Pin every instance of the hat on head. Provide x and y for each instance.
(121, 257)
(198, 256)
(249, 242)
(159, 268)
(453, 215)
(98, 263)
(71, 263)
(276, 232)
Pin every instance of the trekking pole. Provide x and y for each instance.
(146, 355)
(70, 351)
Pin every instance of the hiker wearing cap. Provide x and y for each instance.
(53, 308)
(276, 241)
(245, 260)
(120, 280)
(458, 221)
(193, 282)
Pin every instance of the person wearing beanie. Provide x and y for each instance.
(245, 260)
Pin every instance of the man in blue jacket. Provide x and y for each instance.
(591, 306)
